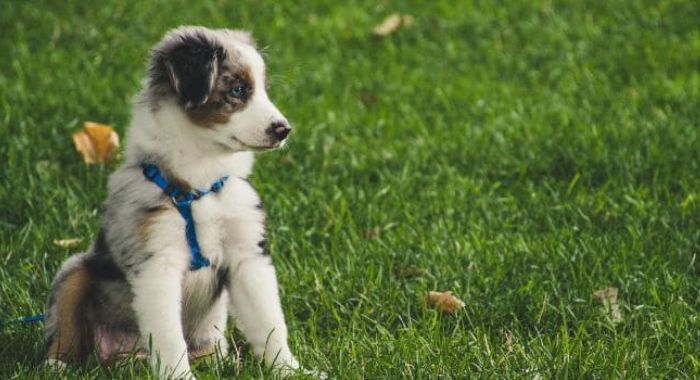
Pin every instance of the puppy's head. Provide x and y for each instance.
(218, 79)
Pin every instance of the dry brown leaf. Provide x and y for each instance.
(409, 271)
(373, 233)
(445, 302)
(368, 98)
(391, 24)
(508, 339)
(68, 243)
(98, 143)
(608, 297)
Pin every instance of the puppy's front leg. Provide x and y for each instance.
(157, 298)
(257, 311)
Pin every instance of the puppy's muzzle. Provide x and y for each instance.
(279, 130)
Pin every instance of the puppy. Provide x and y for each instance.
(202, 113)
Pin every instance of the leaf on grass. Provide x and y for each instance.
(368, 98)
(445, 302)
(409, 271)
(373, 233)
(608, 297)
(98, 143)
(68, 243)
(391, 24)
(508, 339)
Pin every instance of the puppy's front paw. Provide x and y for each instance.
(316, 374)
(55, 364)
(287, 370)
(182, 376)
(176, 371)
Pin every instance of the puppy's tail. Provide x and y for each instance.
(67, 330)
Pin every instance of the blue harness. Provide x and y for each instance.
(183, 202)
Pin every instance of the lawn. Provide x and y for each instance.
(520, 154)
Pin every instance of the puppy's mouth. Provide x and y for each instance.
(257, 148)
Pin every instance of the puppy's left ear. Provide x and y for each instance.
(192, 65)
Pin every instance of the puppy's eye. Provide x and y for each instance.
(238, 91)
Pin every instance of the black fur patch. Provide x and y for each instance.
(263, 245)
(189, 63)
(154, 209)
(221, 281)
(100, 263)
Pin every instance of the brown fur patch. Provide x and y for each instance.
(221, 105)
(149, 219)
(181, 184)
(72, 340)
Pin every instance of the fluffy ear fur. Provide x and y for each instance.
(241, 35)
(190, 61)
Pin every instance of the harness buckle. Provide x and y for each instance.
(181, 199)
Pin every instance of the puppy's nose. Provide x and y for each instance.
(279, 129)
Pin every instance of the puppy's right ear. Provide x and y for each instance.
(190, 61)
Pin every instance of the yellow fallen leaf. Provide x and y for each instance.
(391, 24)
(445, 302)
(608, 297)
(68, 243)
(98, 143)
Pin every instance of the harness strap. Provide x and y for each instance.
(27, 319)
(183, 202)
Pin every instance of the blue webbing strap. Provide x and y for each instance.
(28, 319)
(183, 202)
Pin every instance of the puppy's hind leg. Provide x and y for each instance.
(67, 330)
(208, 336)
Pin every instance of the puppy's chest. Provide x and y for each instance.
(227, 220)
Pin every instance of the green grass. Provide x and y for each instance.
(523, 154)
